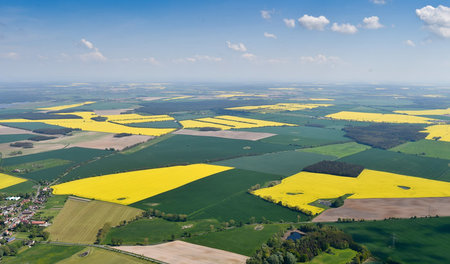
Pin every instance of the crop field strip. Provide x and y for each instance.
(79, 221)
(8, 180)
(427, 148)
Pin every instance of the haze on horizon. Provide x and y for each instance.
(387, 41)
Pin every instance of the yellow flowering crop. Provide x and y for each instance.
(178, 98)
(426, 112)
(229, 122)
(441, 132)
(86, 123)
(62, 107)
(136, 118)
(278, 107)
(381, 118)
(7, 180)
(301, 189)
(130, 187)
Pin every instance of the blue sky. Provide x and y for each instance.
(374, 41)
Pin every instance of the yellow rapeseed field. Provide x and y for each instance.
(381, 118)
(130, 187)
(178, 98)
(301, 189)
(229, 122)
(278, 107)
(62, 107)
(7, 180)
(136, 118)
(86, 123)
(425, 112)
(240, 95)
(440, 132)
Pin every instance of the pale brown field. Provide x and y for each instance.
(253, 136)
(379, 209)
(180, 252)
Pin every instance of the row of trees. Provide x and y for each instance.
(169, 217)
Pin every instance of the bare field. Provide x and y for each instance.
(253, 136)
(4, 130)
(379, 209)
(186, 253)
(109, 141)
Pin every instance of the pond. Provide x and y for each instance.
(294, 236)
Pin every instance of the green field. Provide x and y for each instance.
(302, 136)
(79, 221)
(407, 164)
(222, 196)
(23, 187)
(242, 240)
(36, 165)
(334, 256)
(284, 163)
(14, 137)
(338, 150)
(74, 155)
(175, 150)
(423, 240)
(160, 124)
(97, 255)
(53, 206)
(157, 230)
(31, 126)
(43, 254)
(427, 148)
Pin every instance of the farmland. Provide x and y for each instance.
(80, 220)
(221, 196)
(426, 244)
(427, 148)
(136, 185)
(181, 170)
(8, 180)
(304, 188)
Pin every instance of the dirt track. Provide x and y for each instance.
(378, 209)
(253, 136)
(180, 252)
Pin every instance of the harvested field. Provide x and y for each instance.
(186, 253)
(109, 141)
(379, 209)
(80, 219)
(4, 130)
(111, 111)
(226, 134)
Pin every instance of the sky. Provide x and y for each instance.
(371, 41)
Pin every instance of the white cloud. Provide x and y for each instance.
(437, 20)
(290, 23)
(344, 28)
(249, 56)
(372, 22)
(313, 23)
(378, 2)
(270, 35)
(237, 47)
(266, 14)
(10, 55)
(198, 58)
(410, 43)
(319, 59)
(87, 43)
(151, 60)
(94, 54)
